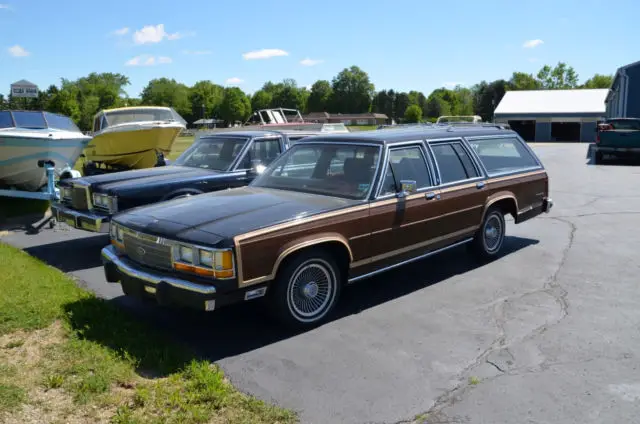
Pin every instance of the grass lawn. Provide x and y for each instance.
(67, 356)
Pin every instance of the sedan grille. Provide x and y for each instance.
(147, 250)
(77, 197)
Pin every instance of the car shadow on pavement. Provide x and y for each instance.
(72, 255)
(245, 327)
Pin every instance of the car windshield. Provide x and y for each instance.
(324, 168)
(125, 116)
(217, 153)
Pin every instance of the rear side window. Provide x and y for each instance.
(624, 124)
(500, 155)
(454, 163)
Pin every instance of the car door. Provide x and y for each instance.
(402, 224)
(462, 188)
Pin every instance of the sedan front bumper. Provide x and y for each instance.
(168, 289)
(82, 220)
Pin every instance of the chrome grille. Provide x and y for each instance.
(78, 199)
(146, 250)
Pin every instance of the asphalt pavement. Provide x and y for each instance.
(546, 334)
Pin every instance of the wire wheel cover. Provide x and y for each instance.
(311, 290)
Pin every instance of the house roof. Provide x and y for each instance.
(23, 82)
(532, 102)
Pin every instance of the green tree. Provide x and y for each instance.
(286, 94)
(235, 106)
(523, 81)
(487, 96)
(384, 102)
(464, 101)
(401, 104)
(261, 100)
(559, 77)
(418, 98)
(352, 91)
(598, 81)
(437, 106)
(168, 92)
(208, 94)
(413, 114)
(3, 103)
(320, 96)
(65, 102)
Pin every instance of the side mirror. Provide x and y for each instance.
(408, 187)
(257, 167)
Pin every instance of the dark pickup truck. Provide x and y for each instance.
(213, 162)
(618, 137)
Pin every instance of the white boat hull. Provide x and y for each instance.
(21, 150)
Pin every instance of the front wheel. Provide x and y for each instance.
(306, 289)
(489, 239)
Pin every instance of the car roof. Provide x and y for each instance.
(392, 136)
(241, 133)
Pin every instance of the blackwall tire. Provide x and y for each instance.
(489, 239)
(306, 290)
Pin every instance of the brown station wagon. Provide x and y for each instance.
(332, 210)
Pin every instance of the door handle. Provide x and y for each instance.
(431, 195)
(480, 185)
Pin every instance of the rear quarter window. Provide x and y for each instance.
(505, 154)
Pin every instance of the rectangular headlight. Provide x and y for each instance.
(206, 258)
(185, 254)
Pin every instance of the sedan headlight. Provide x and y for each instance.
(216, 263)
(66, 192)
(104, 201)
(116, 234)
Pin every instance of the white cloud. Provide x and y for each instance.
(120, 32)
(178, 35)
(147, 60)
(18, 51)
(452, 84)
(530, 44)
(149, 34)
(264, 54)
(5, 6)
(197, 52)
(234, 81)
(310, 62)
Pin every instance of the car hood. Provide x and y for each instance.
(209, 218)
(139, 177)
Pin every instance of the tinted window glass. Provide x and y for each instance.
(29, 119)
(60, 122)
(264, 151)
(217, 153)
(405, 164)
(503, 154)
(326, 169)
(466, 160)
(5, 120)
(449, 164)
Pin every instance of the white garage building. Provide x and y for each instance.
(553, 115)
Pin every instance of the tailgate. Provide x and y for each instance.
(620, 138)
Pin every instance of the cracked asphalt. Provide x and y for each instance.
(549, 333)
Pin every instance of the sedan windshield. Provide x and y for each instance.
(215, 153)
(325, 168)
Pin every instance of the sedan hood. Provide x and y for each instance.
(225, 214)
(138, 177)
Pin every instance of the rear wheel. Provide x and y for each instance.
(306, 290)
(489, 239)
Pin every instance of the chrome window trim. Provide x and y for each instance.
(512, 135)
(245, 151)
(404, 144)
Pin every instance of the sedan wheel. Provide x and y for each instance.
(307, 289)
(490, 237)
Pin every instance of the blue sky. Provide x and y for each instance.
(404, 45)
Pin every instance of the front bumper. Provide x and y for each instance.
(168, 289)
(82, 220)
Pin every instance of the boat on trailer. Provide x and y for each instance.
(132, 138)
(284, 119)
(32, 143)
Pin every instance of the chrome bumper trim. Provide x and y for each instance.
(98, 223)
(127, 267)
(549, 205)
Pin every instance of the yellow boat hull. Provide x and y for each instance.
(135, 149)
